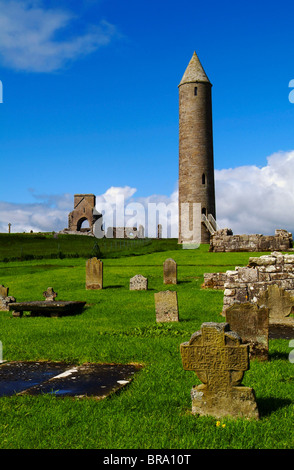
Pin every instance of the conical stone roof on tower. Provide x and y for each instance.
(194, 72)
(196, 168)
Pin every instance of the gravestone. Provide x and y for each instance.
(251, 323)
(170, 271)
(64, 379)
(4, 291)
(166, 306)
(278, 300)
(5, 299)
(138, 282)
(219, 359)
(49, 294)
(280, 303)
(94, 274)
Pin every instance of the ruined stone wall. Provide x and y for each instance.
(225, 241)
(214, 280)
(247, 284)
(84, 209)
(125, 232)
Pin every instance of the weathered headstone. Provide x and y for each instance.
(5, 299)
(166, 306)
(4, 291)
(170, 271)
(279, 302)
(94, 274)
(49, 294)
(138, 282)
(252, 325)
(219, 359)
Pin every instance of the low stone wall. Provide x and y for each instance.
(225, 241)
(247, 284)
(214, 281)
(76, 232)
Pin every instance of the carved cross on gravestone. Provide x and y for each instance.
(218, 358)
(49, 294)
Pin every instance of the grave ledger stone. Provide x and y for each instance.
(166, 306)
(219, 359)
(170, 271)
(94, 274)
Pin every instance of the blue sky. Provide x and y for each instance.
(90, 97)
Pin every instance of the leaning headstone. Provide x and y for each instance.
(49, 294)
(170, 271)
(219, 359)
(138, 282)
(252, 325)
(94, 274)
(166, 306)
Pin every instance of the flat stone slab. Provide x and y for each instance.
(18, 376)
(281, 329)
(61, 380)
(47, 308)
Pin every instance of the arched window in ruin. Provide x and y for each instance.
(203, 178)
(83, 225)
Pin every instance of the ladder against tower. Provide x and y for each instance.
(210, 223)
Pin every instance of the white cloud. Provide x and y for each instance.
(248, 199)
(257, 200)
(113, 193)
(28, 36)
(48, 215)
(120, 207)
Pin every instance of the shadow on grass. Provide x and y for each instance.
(113, 287)
(266, 406)
(278, 355)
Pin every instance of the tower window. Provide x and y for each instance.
(195, 91)
(203, 211)
(203, 178)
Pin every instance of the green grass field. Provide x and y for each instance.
(118, 326)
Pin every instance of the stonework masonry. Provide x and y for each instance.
(224, 241)
(249, 283)
(196, 168)
(84, 210)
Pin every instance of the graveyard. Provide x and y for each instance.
(119, 326)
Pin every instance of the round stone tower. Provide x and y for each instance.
(196, 168)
